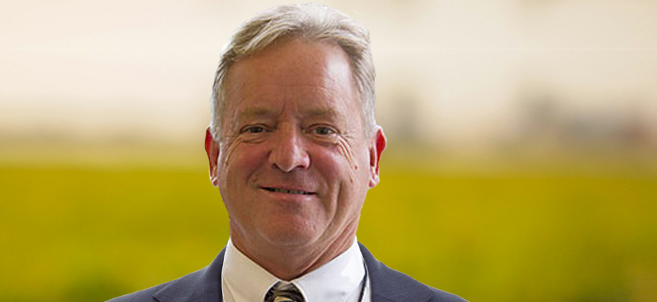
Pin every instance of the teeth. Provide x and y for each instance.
(288, 191)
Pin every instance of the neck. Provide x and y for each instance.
(290, 262)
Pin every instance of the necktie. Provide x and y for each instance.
(284, 292)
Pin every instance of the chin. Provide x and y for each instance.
(290, 236)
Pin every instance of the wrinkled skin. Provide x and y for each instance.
(294, 160)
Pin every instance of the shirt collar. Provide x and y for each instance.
(340, 278)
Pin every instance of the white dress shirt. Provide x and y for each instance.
(243, 280)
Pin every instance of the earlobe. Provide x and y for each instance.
(377, 146)
(212, 150)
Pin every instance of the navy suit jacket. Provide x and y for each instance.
(205, 286)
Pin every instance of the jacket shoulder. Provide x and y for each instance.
(199, 286)
(145, 295)
(405, 286)
(443, 296)
(391, 285)
(150, 294)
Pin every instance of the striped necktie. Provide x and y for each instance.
(284, 292)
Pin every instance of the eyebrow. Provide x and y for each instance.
(320, 112)
(254, 112)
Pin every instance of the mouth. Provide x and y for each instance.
(286, 191)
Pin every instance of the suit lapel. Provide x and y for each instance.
(200, 286)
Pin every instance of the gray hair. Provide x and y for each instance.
(311, 22)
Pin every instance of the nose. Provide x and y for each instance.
(288, 151)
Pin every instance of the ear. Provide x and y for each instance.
(212, 149)
(377, 145)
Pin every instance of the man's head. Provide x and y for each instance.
(308, 22)
(295, 152)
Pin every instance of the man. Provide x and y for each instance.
(293, 148)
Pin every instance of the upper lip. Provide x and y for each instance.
(288, 189)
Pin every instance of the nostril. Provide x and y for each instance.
(288, 161)
(288, 150)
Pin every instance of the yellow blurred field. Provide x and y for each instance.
(91, 232)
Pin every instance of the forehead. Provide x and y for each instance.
(315, 76)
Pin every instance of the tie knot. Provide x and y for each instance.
(284, 292)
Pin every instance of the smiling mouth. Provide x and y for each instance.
(278, 190)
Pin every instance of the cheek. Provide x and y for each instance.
(228, 151)
(345, 150)
(344, 168)
(356, 159)
(238, 161)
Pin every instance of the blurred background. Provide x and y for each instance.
(521, 162)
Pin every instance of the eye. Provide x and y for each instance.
(322, 130)
(253, 129)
